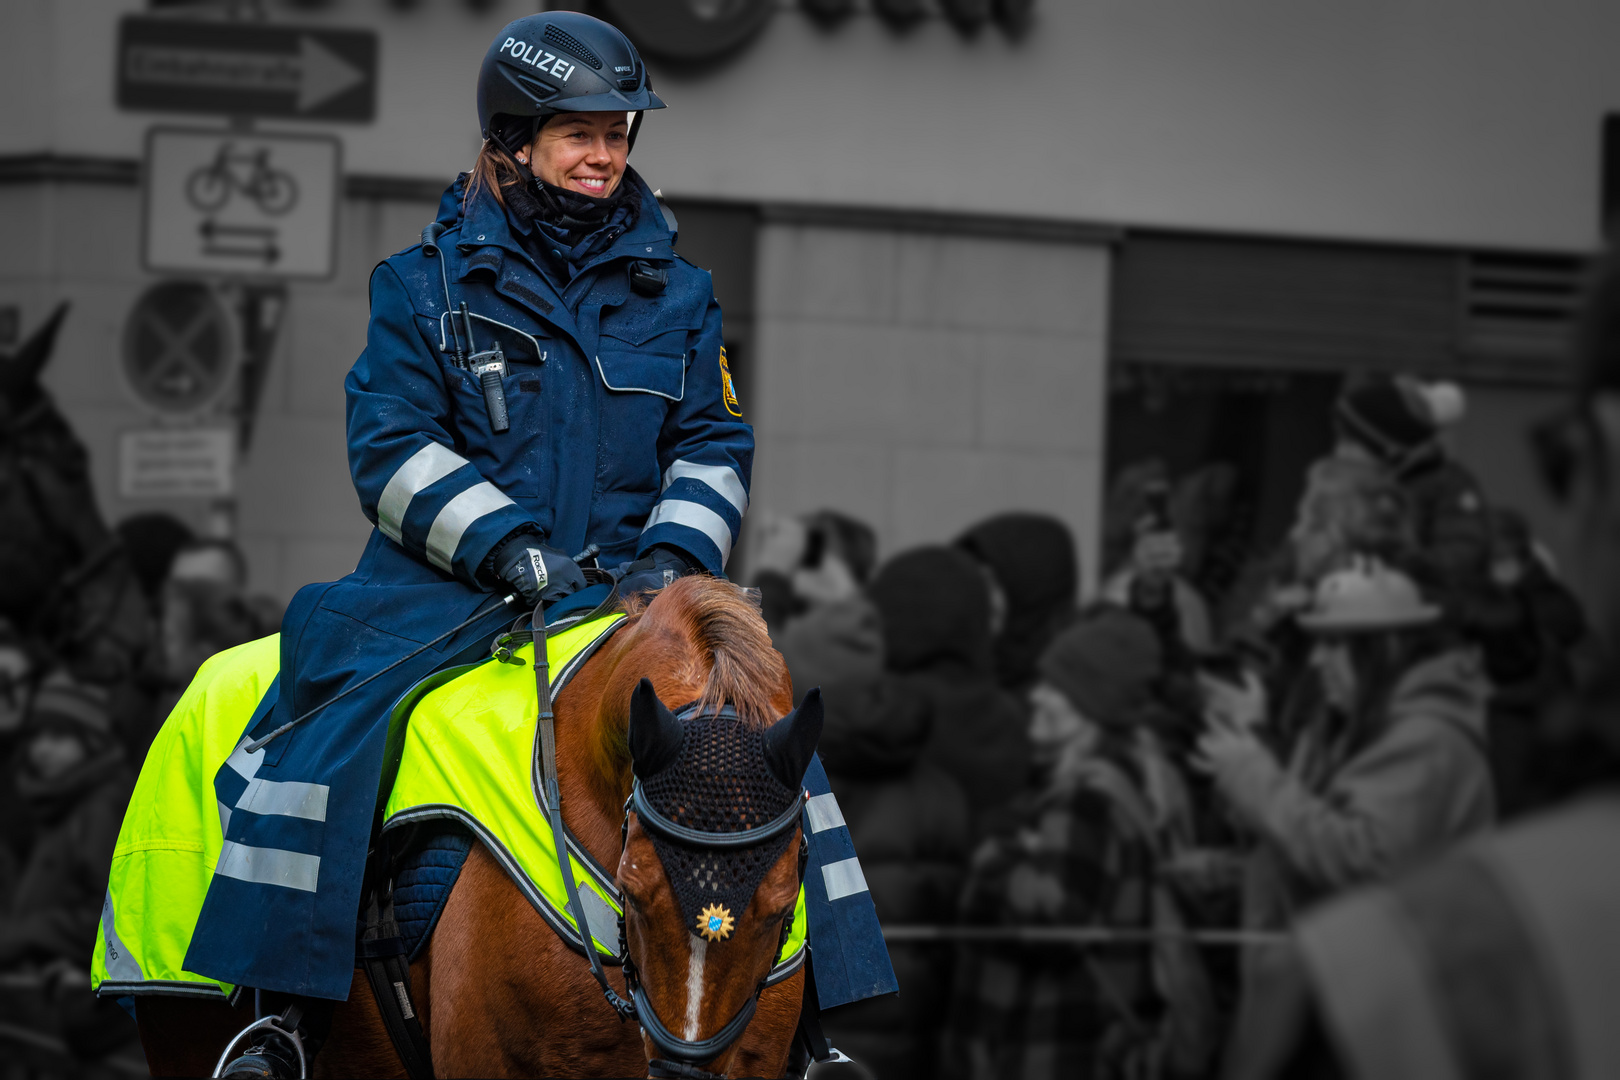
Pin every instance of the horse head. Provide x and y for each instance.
(713, 853)
(62, 575)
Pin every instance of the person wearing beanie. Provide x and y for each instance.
(1396, 422)
(1086, 851)
(1105, 667)
(74, 780)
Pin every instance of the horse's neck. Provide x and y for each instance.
(592, 800)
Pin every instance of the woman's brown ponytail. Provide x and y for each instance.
(495, 169)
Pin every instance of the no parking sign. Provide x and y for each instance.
(180, 347)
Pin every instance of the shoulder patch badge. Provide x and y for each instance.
(728, 388)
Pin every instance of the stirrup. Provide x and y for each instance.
(244, 1039)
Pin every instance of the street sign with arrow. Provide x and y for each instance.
(240, 203)
(246, 69)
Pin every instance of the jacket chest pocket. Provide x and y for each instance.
(655, 364)
(643, 366)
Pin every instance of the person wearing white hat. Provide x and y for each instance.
(1502, 958)
(1391, 768)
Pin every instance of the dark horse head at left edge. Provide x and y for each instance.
(64, 580)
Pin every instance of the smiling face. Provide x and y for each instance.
(581, 152)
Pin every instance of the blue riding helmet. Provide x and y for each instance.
(558, 62)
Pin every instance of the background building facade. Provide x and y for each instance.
(962, 273)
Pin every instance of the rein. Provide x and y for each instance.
(684, 1056)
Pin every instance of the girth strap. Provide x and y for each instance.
(382, 954)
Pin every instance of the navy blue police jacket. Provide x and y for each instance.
(625, 432)
(624, 429)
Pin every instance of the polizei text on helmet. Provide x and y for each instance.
(548, 62)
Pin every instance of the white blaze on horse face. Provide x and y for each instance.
(694, 984)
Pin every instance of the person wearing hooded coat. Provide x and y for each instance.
(1034, 569)
(910, 820)
(936, 677)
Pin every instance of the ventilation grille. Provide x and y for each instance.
(1519, 312)
(570, 44)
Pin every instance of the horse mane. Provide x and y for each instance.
(732, 657)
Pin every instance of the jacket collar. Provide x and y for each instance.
(488, 239)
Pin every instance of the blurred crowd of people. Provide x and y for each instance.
(1177, 768)
(1151, 814)
(74, 731)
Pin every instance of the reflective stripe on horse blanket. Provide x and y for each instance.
(198, 792)
(175, 839)
(173, 830)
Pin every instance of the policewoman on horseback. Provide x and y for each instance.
(542, 373)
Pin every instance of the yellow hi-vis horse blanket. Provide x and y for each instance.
(465, 740)
(471, 753)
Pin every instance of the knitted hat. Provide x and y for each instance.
(1394, 415)
(1104, 665)
(63, 703)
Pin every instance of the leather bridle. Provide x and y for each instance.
(682, 1057)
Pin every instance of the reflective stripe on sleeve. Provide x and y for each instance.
(457, 517)
(120, 965)
(694, 516)
(843, 879)
(269, 866)
(427, 466)
(288, 798)
(721, 478)
(823, 813)
(244, 764)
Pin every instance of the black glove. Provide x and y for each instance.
(654, 570)
(536, 572)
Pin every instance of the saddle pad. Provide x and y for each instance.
(423, 878)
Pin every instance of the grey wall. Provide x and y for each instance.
(1446, 121)
(921, 382)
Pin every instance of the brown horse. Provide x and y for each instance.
(499, 993)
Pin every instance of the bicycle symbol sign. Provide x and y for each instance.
(251, 175)
(239, 203)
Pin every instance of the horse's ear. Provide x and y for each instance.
(655, 734)
(20, 371)
(791, 741)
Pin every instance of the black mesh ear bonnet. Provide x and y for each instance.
(720, 783)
